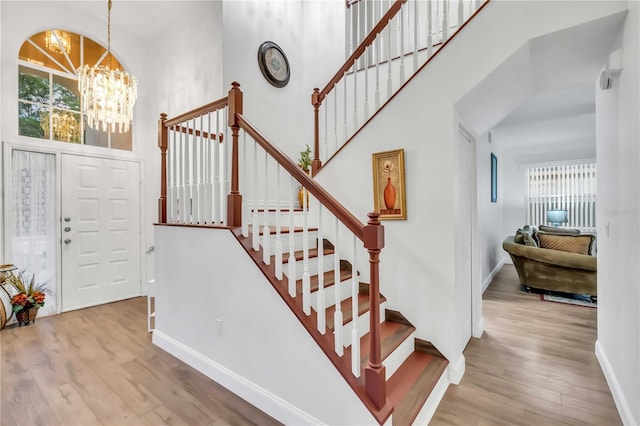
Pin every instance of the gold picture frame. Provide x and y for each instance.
(388, 184)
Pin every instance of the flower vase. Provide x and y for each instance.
(389, 195)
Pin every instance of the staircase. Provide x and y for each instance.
(413, 367)
(218, 170)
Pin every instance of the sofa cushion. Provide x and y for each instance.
(524, 236)
(555, 230)
(571, 243)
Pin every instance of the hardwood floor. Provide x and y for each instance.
(98, 366)
(535, 365)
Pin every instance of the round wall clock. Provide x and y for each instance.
(273, 64)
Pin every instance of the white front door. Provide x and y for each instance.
(100, 231)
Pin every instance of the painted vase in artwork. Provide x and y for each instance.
(389, 194)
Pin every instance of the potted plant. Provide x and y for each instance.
(29, 297)
(304, 162)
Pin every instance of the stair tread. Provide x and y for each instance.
(392, 334)
(299, 254)
(329, 279)
(285, 229)
(412, 383)
(347, 313)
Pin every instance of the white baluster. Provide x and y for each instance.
(322, 323)
(355, 290)
(355, 97)
(377, 92)
(401, 25)
(266, 232)
(335, 118)
(337, 315)
(255, 227)
(291, 262)
(215, 172)
(326, 131)
(389, 86)
(429, 30)
(460, 13)
(445, 20)
(278, 246)
(225, 165)
(172, 178)
(346, 135)
(197, 173)
(246, 207)
(306, 278)
(366, 84)
(208, 187)
(416, 32)
(186, 199)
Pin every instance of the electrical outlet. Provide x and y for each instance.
(219, 327)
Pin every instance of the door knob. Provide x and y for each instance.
(67, 219)
(67, 229)
(67, 241)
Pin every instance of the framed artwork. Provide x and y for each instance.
(388, 184)
(494, 178)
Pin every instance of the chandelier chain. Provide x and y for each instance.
(109, 27)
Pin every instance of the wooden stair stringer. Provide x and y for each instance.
(325, 341)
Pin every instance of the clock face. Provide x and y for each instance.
(273, 64)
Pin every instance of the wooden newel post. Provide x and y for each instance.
(162, 144)
(234, 199)
(374, 374)
(316, 102)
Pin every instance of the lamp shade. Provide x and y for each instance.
(557, 216)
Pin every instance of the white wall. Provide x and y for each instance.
(618, 215)
(417, 264)
(283, 115)
(489, 214)
(260, 350)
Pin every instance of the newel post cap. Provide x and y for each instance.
(235, 103)
(315, 97)
(373, 232)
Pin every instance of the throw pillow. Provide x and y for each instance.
(570, 243)
(525, 236)
(554, 230)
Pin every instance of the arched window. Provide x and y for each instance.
(49, 102)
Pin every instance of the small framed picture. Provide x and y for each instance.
(388, 184)
(494, 178)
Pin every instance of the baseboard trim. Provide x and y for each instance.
(271, 404)
(456, 370)
(431, 405)
(493, 273)
(614, 386)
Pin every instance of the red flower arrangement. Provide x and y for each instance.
(27, 296)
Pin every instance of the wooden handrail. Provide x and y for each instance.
(368, 40)
(330, 203)
(211, 107)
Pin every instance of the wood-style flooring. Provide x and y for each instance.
(97, 366)
(534, 365)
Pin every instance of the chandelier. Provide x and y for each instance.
(107, 94)
(57, 41)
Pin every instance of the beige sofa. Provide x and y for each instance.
(553, 270)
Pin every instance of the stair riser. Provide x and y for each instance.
(298, 240)
(313, 266)
(363, 325)
(298, 218)
(399, 355)
(330, 295)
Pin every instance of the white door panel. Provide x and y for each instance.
(101, 248)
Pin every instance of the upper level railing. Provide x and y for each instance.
(406, 35)
(242, 181)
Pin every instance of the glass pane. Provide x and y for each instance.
(92, 52)
(121, 140)
(28, 52)
(94, 137)
(66, 126)
(33, 85)
(65, 93)
(30, 120)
